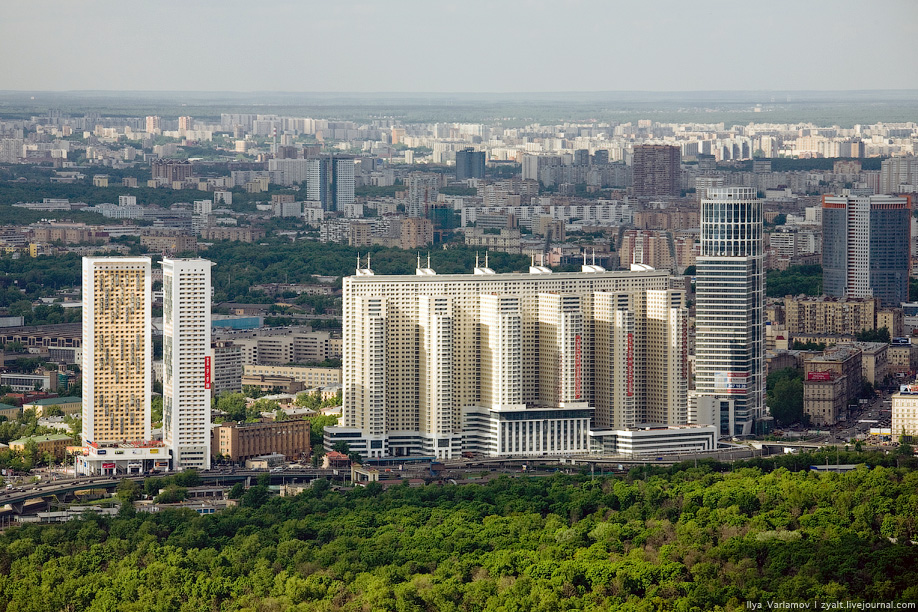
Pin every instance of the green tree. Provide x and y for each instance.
(172, 494)
(128, 491)
(255, 497)
(156, 411)
(785, 396)
(873, 335)
(237, 491)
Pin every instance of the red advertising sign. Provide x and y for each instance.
(629, 366)
(207, 372)
(577, 377)
(825, 375)
(108, 466)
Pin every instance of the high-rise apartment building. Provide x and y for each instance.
(730, 323)
(342, 185)
(317, 180)
(898, 175)
(423, 188)
(117, 364)
(154, 124)
(187, 362)
(657, 170)
(470, 164)
(521, 364)
(330, 180)
(865, 247)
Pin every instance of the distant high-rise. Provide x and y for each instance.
(865, 248)
(330, 180)
(470, 164)
(423, 188)
(898, 174)
(730, 326)
(342, 182)
(657, 170)
(317, 180)
(116, 349)
(154, 124)
(187, 362)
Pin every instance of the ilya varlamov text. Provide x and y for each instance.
(826, 605)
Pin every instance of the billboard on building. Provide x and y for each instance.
(821, 375)
(730, 382)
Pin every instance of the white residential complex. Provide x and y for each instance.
(729, 331)
(509, 364)
(187, 361)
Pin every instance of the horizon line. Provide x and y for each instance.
(508, 92)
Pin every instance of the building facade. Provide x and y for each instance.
(730, 325)
(865, 250)
(187, 363)
(904, 413)
(507, 363)
(657, 170)
(117, 372)
(822, 315)
(470, 164)
(241, 441)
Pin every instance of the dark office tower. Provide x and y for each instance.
(657, 170)
(865, 249)
(582, 157)
(470, 164)
(600, 157)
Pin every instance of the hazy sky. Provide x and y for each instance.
(458, 46)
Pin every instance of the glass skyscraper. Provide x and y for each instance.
(865, 250)
(730, 327)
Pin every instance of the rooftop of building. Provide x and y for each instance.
(54, 401)
(836, 354)
(39, 439)
(829, 298)
(61, 330)
(367, 275)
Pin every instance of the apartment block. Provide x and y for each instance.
(507, 363)
(116, 349)
(828, 315)
(309, 376)
(187, 362)
(904, 413)
(241, 441)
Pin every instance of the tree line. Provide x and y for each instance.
(687, 538)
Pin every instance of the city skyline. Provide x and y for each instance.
(425, 37)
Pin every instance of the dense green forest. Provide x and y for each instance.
(796, 280)
(684, 539)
